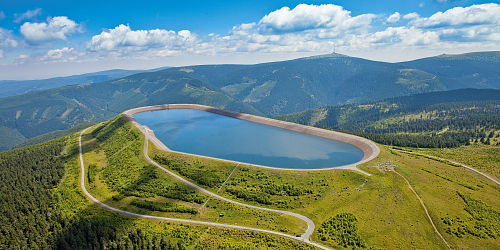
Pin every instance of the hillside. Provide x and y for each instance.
(44, 207)
(479, 69)
(26, 116)
(301, 84)
(13, 88)
(437, 119)
(270, 89)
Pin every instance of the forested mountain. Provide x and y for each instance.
(296, 85)
(12, 88)
(35, 113)
(437, 119)
(265, 89)
(480, 69)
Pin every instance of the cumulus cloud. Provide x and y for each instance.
(393, 18)
(305, 28)
(18, 18)
(122, 40)
(2, 16)
(460, 16)
(308, 17)
(404, 36)
(411, 15)
(54, 29)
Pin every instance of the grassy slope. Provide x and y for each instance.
(129, 177)
(73, 203)
(482, 157)
(388, 213)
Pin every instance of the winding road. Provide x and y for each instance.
(304, 237)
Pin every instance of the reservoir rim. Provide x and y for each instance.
(369, 148)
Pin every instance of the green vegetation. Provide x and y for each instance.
(452, 180)
(12, 88)
(204, 174)
(482, 157)
(43, 208)
(264, 89)
(40, 112)
(484, 223)
(480, 69)
(163, 206)
(55, 134)
(115, 147)
(431, 120)
(30, 217)
(343, 230)
(387, 214)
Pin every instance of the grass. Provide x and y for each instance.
(73, 203)
(388, 213)
(138, 184)
(485, 158)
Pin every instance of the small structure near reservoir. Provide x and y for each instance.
(386, 165)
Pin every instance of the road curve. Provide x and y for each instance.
(304, 238)
(455, 162)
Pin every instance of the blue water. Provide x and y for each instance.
(208, 134)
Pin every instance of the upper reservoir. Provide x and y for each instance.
(203, 133)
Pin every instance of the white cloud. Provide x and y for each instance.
(123, 37)
(459, 16)
(2, 16)
(309, 17)
(54, 29)
(393, 18)
(122, 41)
(56, 54)
(404, 36)
(7, 40)
(1, 53)
(23, 56)
(412, 15)
(18, 18)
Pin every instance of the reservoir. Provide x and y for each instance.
(208, 134)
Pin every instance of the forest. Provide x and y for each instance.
(430, 120)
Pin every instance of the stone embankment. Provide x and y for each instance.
(369, 148)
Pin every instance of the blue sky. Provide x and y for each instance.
(40, 39)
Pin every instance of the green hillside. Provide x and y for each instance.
(480, 69)
(437, 119)
(12, 88)
(43, 207)
(301, 84)
(37, 113)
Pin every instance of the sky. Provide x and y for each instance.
(41, 39)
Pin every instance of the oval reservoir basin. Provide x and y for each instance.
(208, 134)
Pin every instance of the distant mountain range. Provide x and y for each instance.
(12, 88)
(264, 89)
(334, 79)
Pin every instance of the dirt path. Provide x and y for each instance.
(425, 208)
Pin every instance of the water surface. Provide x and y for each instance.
(208, 134)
